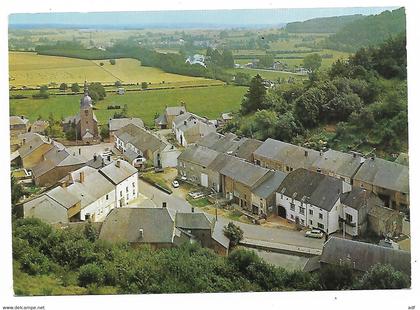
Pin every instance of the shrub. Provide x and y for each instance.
(234, 233)
(90, 274)
(112, 61)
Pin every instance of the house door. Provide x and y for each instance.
(281, 211)
(204, 180)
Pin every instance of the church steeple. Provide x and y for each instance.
(86, 88)
(86, 101)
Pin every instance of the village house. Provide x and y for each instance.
(136, 142)
(282, 156)
(193, 164)
(85, 194)
(18, 125)
(264, 195)
(137, 226)
(224, 118)
(338, 164)
(85, 122)
(115, 124)
(39, 126)
(362, 256)
(311, 199)
(125, 179)
(196, 59)
(389, 180)
(356, 206)
(55, 206)
(165, 120)
(55, 164)
(239, 178)
(189, 128)
(33, 148)
(385, 222)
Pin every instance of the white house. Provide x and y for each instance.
(124, 177)
(311, 199)
(189, 128)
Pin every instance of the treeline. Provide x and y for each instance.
(322, 25)
(369, 30)
(366, 97)
(77, 258)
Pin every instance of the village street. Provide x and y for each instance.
(254, 232)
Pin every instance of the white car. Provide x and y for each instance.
(175, 183)
(314, 233)
(139, 161)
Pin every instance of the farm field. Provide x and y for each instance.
(30, 69)
(206, 101)
(268, 74)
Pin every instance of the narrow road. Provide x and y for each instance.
(252, 232)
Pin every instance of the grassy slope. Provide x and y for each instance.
(208, 101)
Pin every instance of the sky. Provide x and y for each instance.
(187, 18)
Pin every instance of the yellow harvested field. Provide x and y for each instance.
(30, 69)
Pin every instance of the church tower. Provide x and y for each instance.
(88, 123)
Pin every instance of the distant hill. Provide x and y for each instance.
(323, 25)
(369, 30)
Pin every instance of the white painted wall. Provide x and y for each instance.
(126, 191)
(100, 208)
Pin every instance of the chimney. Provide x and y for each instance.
(95, 157)
(192, 209)
(64, 184)
(306, 153)
(185, 123)
(22, 117)
(24, 140)
(80, 151)
(118, 164)
(164, 204)
(108, 157)
(82, 176)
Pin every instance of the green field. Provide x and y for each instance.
(30, 69)
(268, 74)
(205, 101)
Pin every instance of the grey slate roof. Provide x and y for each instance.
(39, 126)
(219, 236)
(318, 189)
(228, 143)
(291, 155)
(243, 172)
(63, 197)
(124, 224)
(118, 123)
(140, 138)
(40, 201)
(118, 174)
(210, 139)
(338, 162)
(270, 185)
(18, 120)
(247, 149)
(199, 155)
(192, 221)
(358, 198)
(385, 174)
(175, 110)
(362, 255)
(35, 141)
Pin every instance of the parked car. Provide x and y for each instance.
(139, 161)
(175, 183)
(183, 178)
(314, 233)
(196, 195)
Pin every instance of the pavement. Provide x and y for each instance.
(252, 232)
(89, 150)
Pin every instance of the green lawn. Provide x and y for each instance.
(267, 74)
(205, 101)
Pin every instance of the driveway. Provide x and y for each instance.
(251, 231)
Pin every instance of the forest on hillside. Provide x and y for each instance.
(323, 24)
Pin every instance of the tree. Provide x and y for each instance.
(75, 88)
(234, 233)
(242, 78)
(97, 91)
(266, 61)
(383, 277)
(332, 277)
(144, 85)
(104, 132)
(112, 61)
(307, 107)
(118, 84)
(227, 59)
(90, 274)
(17, 190)
(255, 96)
(63, 87)
(312, 62)
(42, 94)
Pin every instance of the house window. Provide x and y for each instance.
(292, 206)
(311, 212)
(106, 197)
(292, 217)
(320, 225)
(310, 222)
(302, 222)
(120, 193)
(321, 216)
(126, 189)
(349, 218)
(301, 210)
(134, 184)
